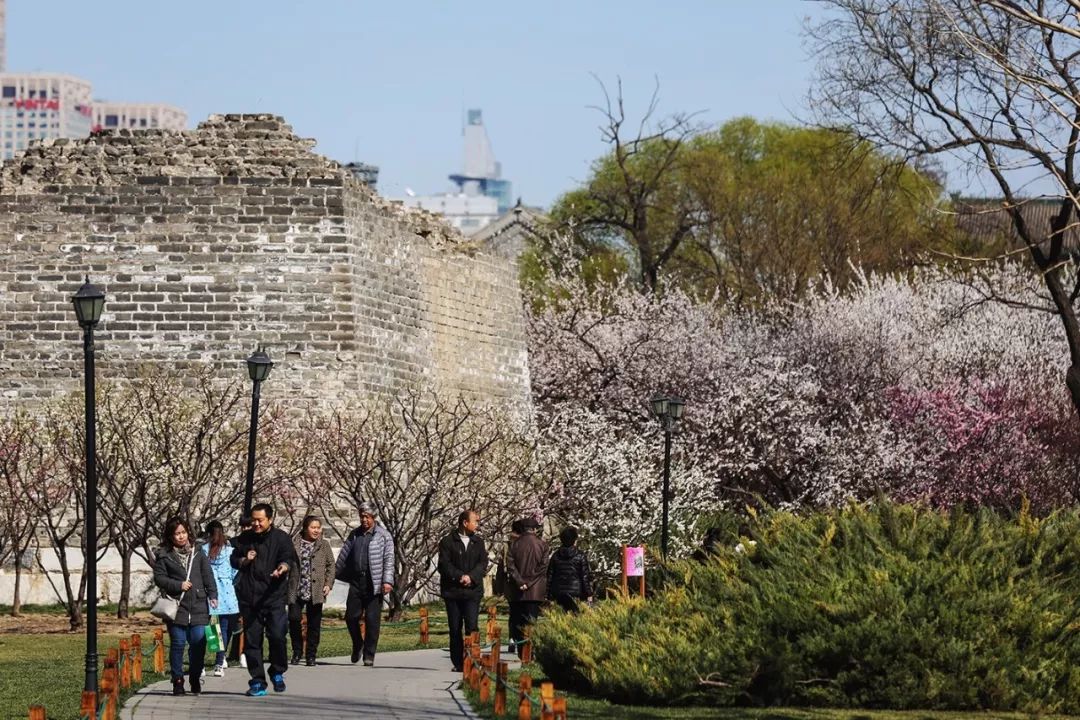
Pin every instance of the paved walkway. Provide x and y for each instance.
(402, 685)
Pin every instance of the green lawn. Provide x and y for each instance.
(47, 669)
(580, 707)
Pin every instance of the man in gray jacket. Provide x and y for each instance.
(366, 562)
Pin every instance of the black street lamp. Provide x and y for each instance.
(89, 302)
(258, 366)
(668, 410)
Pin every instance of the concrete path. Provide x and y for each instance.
(402, 685)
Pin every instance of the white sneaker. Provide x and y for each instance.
(224, 664)
(219, 671)
(243, 661)
(203, 673)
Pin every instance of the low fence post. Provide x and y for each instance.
(558, 706)
(88, 704)
(136, 655)
(125, 664)
(500, 689)
(492, 622)
(526, 648)
(485, 678)
(547, 697)
(496, 648)
(524, 703)
(37, 712)
(474, 677)
(159, 651)
(425, 629)
(466, 665)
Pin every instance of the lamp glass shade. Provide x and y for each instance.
(675, 408)
(89, 303)
(660, 405)
(259, 365)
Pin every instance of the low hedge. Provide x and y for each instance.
(881, 606)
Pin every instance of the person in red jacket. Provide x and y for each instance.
(527, 565)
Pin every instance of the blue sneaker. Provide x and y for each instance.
(256, 689)
(279, 683)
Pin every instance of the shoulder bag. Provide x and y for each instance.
(167, 606)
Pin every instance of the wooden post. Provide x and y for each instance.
(496, 649)
(524, 703)
(424, 627)
(485, 678)
(500, 688)
(136, 658)
(558, 705)
(159, 651)
(88, 704)
(474, 676)
(547, 697)
(625, 580)
(466, 665)
(37, 712)
(125, 664)
(112, 663)
(107, 687)
(526, 648)
(492, 622)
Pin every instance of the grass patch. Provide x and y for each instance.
(47, 668)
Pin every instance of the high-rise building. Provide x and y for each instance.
(135, 116)
(36, 106)
(481, 195)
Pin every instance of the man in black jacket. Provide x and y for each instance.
(463, 561)
(264, 556)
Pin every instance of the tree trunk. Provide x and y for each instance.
(125, 585)
(16, 602)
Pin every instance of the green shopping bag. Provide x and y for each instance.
(214, 643)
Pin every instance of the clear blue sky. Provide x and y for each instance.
(386, 82)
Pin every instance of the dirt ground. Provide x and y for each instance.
(48, 623)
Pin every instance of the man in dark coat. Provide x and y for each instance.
(463, 561)
(527, 568)
(569, 576)
(264, 556)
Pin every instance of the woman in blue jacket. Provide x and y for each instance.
(218, 549)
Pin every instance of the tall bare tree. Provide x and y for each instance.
(992, 84)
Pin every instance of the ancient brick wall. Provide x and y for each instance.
(210, 242)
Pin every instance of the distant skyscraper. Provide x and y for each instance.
(136, 116)
(35, 106)
(481, 195)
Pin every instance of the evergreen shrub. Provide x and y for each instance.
(879, 606)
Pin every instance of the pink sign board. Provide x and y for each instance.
(635, 561)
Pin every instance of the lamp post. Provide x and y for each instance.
(89, 302)
(258, 366)
(668, 410)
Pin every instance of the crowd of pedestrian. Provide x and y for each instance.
(263, 584)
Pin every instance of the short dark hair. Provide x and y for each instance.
(170, 527)
(517, 527)
(308, 519)
(568, 536)
(265, 508)
(464, 516)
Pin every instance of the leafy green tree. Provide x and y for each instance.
(750, 210)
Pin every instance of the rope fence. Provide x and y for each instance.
(486, 674)
(123, 667)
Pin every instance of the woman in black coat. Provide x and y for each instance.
(197, 593)
(569, 576)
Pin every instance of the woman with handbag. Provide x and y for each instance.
(183, 574)
(309, 587)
